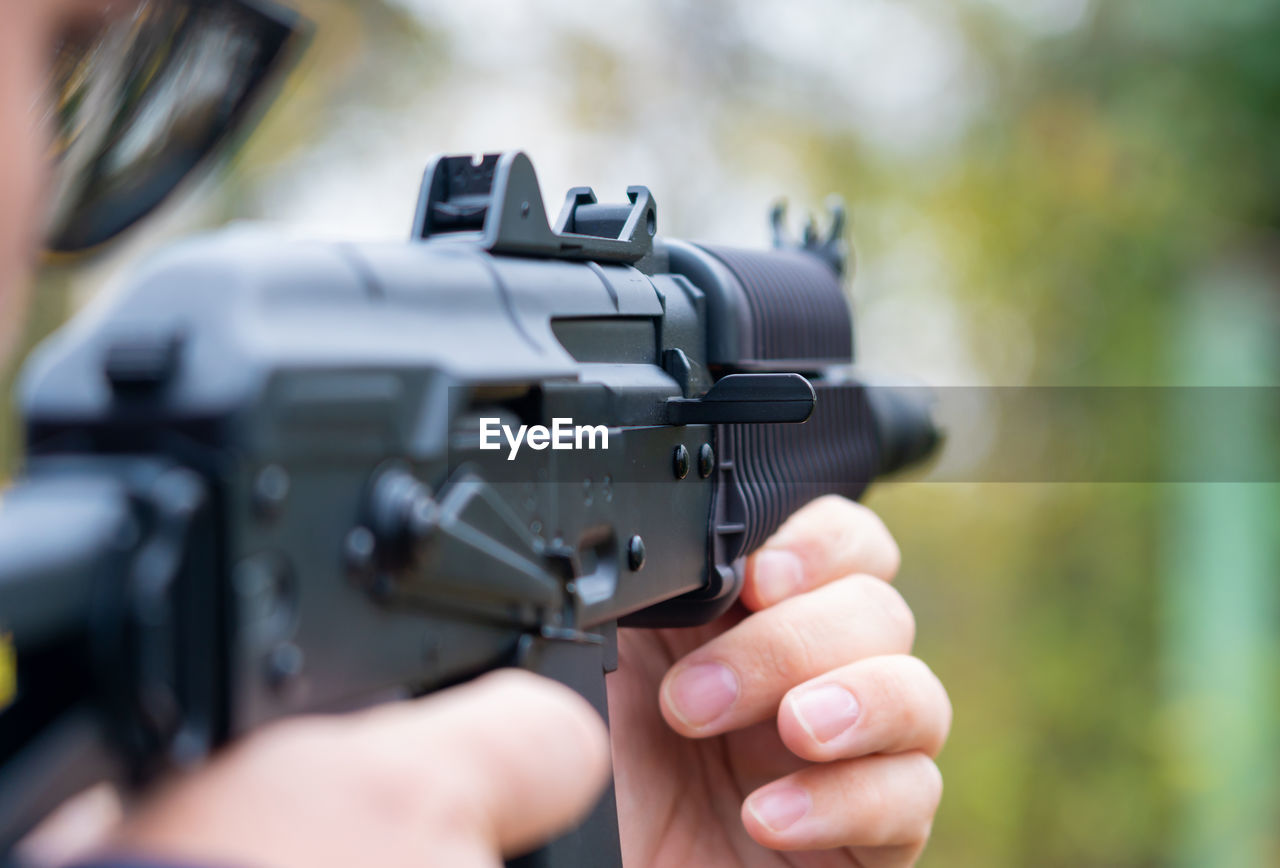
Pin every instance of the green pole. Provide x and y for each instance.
(1221, 574)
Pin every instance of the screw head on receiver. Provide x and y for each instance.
(706, 460)
(284, 665)
(680, 463)
(635, 553)
(359, 548)
(270, 491)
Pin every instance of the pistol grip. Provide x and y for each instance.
(579, 660)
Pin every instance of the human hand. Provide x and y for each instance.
(460, 778)
(795, 723)
(445, 779)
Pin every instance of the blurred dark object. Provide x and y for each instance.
(138, 106)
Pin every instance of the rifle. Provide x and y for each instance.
(267, 479)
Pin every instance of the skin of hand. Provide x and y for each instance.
(744, 759)
(796, 730)
(493, 767)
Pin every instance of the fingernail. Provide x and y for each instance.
(825, 711)
(778, 575)
(780, 807)
(701, 693)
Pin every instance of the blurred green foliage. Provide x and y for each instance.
(1114, 165)
(1109, 168)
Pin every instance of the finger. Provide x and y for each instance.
(875, 801)
(521, 789)
(493, 767)
(74, 830)
(829, 538)
(888, 704)
(899, 856)
(739, 677)
(759, 756)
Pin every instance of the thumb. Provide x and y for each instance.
(524, 756)
(493, 767)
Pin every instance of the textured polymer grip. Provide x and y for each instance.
(775, 311)
(768, 472)
(789, 312)
(765, 472)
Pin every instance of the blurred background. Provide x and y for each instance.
(1044, 193)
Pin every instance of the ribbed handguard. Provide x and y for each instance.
(770, 471)
(774, 311)
(793, 313)
(790, 312)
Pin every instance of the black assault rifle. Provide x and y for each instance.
(270, 478)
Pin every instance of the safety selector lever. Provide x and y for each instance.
(746, 398)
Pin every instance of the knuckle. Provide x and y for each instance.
(900, 691)
(792, 655)
(916, 680)
(397, 789)
(386, 780)
(837, 528)
(914, 704)
(931, 789)
(835, 503)
(814, 521)
(892, 818)
(877, 815)
(889, 604)
(287, 744)
(938, 700)
(913, 670)
(852, 519)
(895, 610)
(867, 541)
(892, 553)
(279, 757)
(876, 533)
(932, 700)
(861, 518)
(862, 515)
(385, 789)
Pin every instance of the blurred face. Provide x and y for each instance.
(29, 30)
